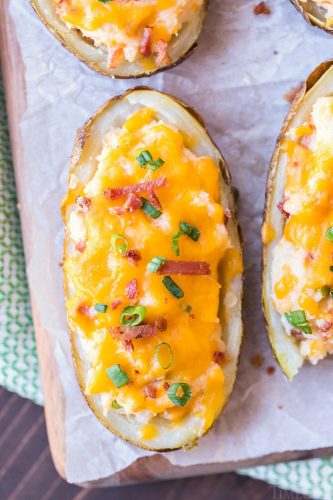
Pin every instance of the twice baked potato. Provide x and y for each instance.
(153, 270)
(319, 13)
(298, 229)
(125, 39)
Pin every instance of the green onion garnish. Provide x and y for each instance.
(164, 355)
(155, 263)
(149, 209)
(117, 375)
(115, 405)
(101, 308)
(298, 319)
(133, 315)
(119, 243)
(324, 291)
(175, 242)
(172, 287)
(329, 234)
(154, 165)
(190, 230)
(331, 294)
(331, 269)
(174, 390)
(144, 158)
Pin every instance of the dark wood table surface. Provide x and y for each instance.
(27, 471)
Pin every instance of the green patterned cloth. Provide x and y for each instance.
(18, 357)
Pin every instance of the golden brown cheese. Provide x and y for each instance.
(131, 29)
(97, 273)
(301, 272)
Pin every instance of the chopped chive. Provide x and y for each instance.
(329, 234)
(190, 230)
(164, 355)
(331, 269)
(172, 287)
(299, 320)
(117, 375)
(101, 308)
(187, 308)
(115, 405)
(173, 393)
(324, 291)
(133, 315)
(144, 158)
(149, 209)
(155, 263)
(175, 242)
(154, 165)
(119, 243)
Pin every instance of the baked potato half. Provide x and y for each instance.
(153, 270)
(318, 13)
(125, 39)
(297, 239)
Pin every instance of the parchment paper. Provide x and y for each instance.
(236, 81)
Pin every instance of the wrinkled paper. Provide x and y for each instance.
(236, 80)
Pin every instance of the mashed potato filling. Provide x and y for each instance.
(129, 29)
(114, 243)
(302, 269)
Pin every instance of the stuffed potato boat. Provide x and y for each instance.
(125, 39)
(319, 13)
(298, 229)
(153, 271)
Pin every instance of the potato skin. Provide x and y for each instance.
(81, 137)
(298, 5)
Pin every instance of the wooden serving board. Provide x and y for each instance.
(144, 469)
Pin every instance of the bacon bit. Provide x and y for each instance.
(297, 334)
(133, 256)
(115, 304)
(161, 323)
(136, 332)
(305, 141)
(290, 96)
(261, 8)
(61, 263)
(83, 309)
(162, 57)
(153, 199)
(227, 215)
(184, 267)
(83, 202)
(325, 326)
(80, 246)
(309, 257)
(137, 372)
(295, 163)
(121, 192)
(132, 289)
(150, 391)
(128, 345)
(270, 370)
(145, 49)
(219, 357)
(257, 360)
(280, 207)
(115, 57)
(166, 386)
(132, 203)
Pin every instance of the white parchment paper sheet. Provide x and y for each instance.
(236, 81)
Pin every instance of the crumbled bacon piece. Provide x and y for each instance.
(132, 289)
(161, 323)
(184, 267)
(128, 345)
(227, 215)
(297, 334)
(121, 192)
(83, 309)
(290, 96)
(261, 8)
(150, 391)
(133, 256)
(83, 202)
(162, 57)
(306, 140)
(270, 370)
(166, 386)
(219, 357)
(115, 304)
(153, 199)
(133, 202)
(324, 326)
(280, 206)
(145, 49)
(115, 57)
(135, 332)
(80, 246)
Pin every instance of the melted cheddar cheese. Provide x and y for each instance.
(98, 274)
(132, 29)
(302, 272)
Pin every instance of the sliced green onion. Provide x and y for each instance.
(329, 234)
(149, 209)
(174, 390)
(117, 375)
(133, 315)
(324, 291)
(172, 287)
(119, 243)
(154, 165)
(299, 320)
(164, 355)
(190, 230)
(144, 158)
(101, 308)
(155, 263)
(175, 242)
(115, 405)
(331, 294)
(331, 268)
